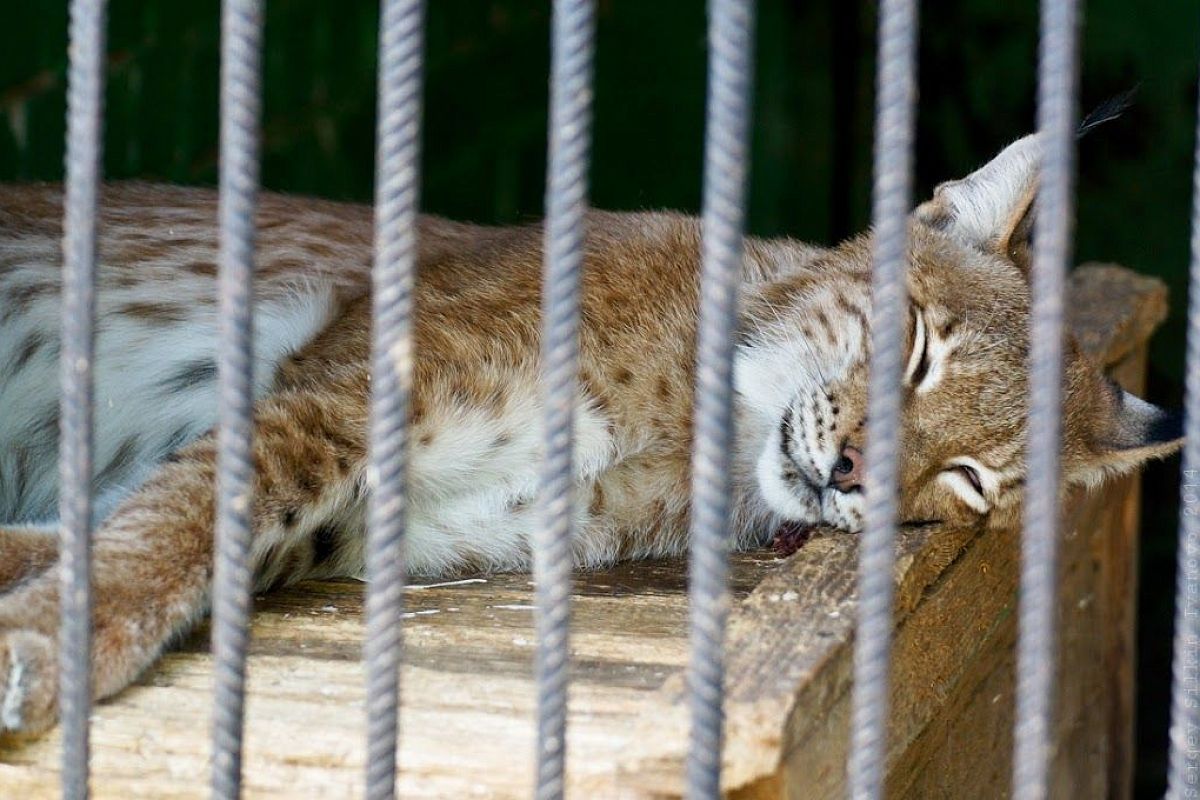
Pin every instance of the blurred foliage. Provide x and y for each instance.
(485, 132)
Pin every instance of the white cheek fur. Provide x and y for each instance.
(768, 376)
(779, 497)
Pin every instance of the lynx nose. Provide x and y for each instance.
(848, 471)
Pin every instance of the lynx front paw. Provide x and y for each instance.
(28, 682)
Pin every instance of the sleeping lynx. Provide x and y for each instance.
(800, 378)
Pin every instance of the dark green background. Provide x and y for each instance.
(485, 132)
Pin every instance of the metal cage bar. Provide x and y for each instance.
(1053, 225)
(726, 163)
(85, 120)
(241, 101)
(572, 48)
(1183, 775)
(895, 101)
(397, 187)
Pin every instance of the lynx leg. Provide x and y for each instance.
(152, 559)
(24, 553)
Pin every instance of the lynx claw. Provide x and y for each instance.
(28, 682)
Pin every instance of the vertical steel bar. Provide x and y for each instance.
(397, 188)
(241, 56)
(1183, 777)
(572, 47)
(1053, 226)
(85, 109)
(726, 163)
(895, 109)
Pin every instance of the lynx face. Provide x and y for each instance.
(802, 371)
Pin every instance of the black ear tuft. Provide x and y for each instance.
(1107, 111)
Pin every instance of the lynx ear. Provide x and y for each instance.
(992, 208)
(1128, 433)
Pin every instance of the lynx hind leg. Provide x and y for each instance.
(28, 704)
(152, 559)
(25, 552)
(29, 678)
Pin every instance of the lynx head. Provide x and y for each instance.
(802, 371)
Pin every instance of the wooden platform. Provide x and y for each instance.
(468, 691)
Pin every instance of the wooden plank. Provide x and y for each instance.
(1118, 546)
(467, 683)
